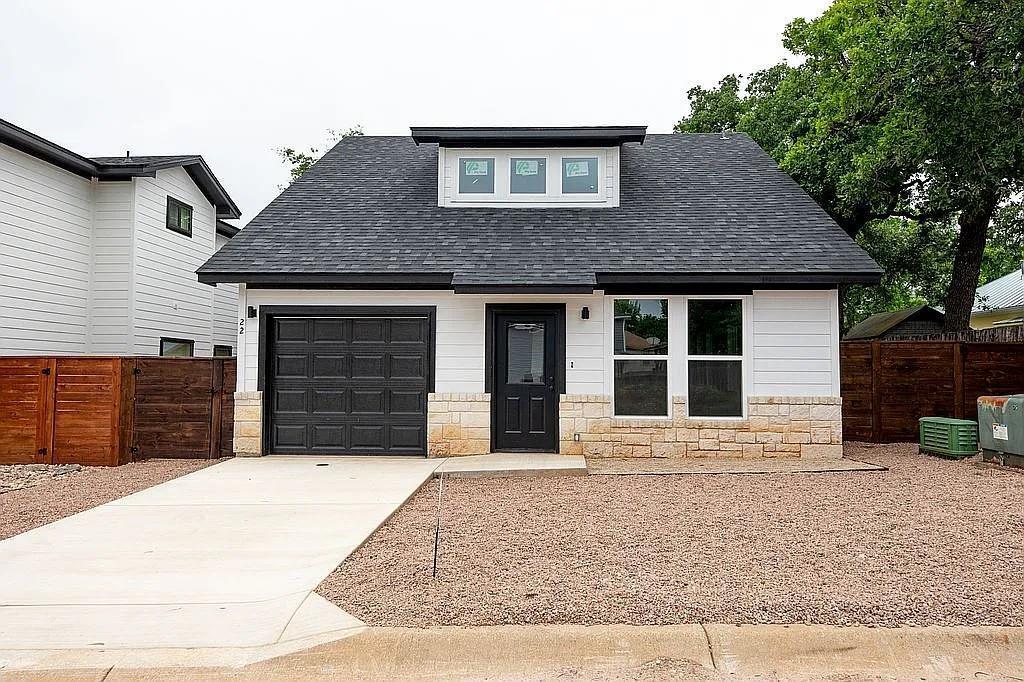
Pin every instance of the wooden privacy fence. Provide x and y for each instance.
(888, 385)
(112, 410)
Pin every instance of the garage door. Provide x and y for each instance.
(349, 384)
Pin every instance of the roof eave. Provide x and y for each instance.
(32, 144)
(528, 136)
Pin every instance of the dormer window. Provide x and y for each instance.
(579, 175)
(525, 167)
(528, 175)
(476, 176)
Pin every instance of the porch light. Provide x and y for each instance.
(584, 313)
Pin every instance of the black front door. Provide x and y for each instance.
(525, 397)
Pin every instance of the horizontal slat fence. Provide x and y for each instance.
(888, 385)
(112, 410)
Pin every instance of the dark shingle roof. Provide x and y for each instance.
(696, 207)
(120, 167)
(878, 324)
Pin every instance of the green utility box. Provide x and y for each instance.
(1001, 428)
(945, 437)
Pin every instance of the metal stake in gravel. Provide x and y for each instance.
(437, 527)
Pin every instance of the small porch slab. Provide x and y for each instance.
(649, 467)
(504, 464)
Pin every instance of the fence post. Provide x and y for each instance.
(958, 380)
(876, 392)
(216, 399)
(46, 411)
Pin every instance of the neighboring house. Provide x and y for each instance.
(590, 290)
(99, 255)
(898, 324)
(1000, 303)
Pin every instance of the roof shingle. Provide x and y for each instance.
(689, 205)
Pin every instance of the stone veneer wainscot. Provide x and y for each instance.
(775, 426)
(248, 434)
(458, 424)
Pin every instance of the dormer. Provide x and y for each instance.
(574, 167)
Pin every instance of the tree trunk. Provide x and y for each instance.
(970, 248)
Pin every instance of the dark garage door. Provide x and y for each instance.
(349, 384)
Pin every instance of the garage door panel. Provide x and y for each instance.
(330, 330)
(368, 401)
(290, 401)
(349, 385)
(407, 402)
(288, 436)
(290, 330)
(372, 331)
(409, 331)
(330, 365)
(328, 436)
(328, 401)
(407, 437)
(368, 366)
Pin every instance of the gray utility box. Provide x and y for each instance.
(1001, 429)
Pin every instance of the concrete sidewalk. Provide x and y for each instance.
(621, 652)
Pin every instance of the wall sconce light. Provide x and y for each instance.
(250, 312)
(585, 313)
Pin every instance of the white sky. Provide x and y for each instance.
(233, 80)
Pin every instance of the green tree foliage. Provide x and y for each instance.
(898, 109)
(299, 162)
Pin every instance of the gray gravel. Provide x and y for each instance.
(21, 476)
(928, 542)
(53, 498)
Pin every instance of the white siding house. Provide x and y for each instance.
(89, 265)
(590, 291)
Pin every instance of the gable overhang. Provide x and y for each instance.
(575, 136)
(197, 169)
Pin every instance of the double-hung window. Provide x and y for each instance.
(714, 369)
(640, 356)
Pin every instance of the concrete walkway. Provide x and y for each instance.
(217, 567)
(622, 652)
(225, 557)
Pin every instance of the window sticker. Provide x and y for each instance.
(474, 167)
(577, 169)
(527, 167)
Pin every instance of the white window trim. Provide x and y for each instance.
(746, 365)
(667, 357)
(607, 171)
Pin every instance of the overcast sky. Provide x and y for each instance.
(233, 80)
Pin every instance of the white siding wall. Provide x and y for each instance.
(793, 347)
(112, 269)
(46, 233)
(796, 343)
(225, 309)
(459, 364)
(169, 300)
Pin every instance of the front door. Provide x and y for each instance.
(525, 398)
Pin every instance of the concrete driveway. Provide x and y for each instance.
(226, 557)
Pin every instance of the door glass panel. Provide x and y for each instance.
(525, 353)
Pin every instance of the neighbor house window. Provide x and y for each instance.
(177, 348)
(579, 175)
(476, 176)
(179, 216)
(640, 356)
(222, 351)
(528, 175)
(715, 357)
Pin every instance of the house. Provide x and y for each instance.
(898, 324)
(1000, 303)
(99, 255)
(585, 290)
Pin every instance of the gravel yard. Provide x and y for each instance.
(928, 542)
(55, 494)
